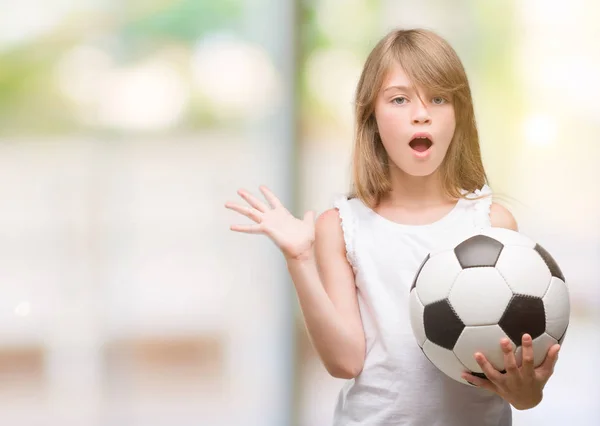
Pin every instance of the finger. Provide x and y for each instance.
(247, 229)
(249, 212)
(527, 364)
(480, 383)
(253, 201)
(271, 198)
(488, 369)
(547, 367)
(510, 363)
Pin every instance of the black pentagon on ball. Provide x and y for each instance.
(550, 262)
(414, 284)
(442, 325)
(478, 251)
(524, 314)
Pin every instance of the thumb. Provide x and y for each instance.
(309, 217)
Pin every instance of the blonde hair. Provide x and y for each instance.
(431, 63)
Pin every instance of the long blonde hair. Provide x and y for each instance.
(430, 62)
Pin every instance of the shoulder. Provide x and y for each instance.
(329, 218)
(333, 238)
(328, 224)
(501, 217)
(334, 232)
(340, 220)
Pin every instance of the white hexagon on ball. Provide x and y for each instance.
(557, 308)
(524, 270)
(480, 296)
(437, 277)
(445, 360)
(485, 339)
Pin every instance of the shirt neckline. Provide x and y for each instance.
(416, 228)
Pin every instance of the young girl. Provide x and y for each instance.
(418, 179)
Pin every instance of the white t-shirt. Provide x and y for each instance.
(398, 384)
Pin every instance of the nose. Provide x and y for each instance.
(420, 114)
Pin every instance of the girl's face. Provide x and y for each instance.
(415, 125)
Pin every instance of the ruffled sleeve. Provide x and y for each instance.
(482, 206)
(348, 218)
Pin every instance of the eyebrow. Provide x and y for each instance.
(401, 88)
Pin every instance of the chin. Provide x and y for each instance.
(422, 170)
(422, 173)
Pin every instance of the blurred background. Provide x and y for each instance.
(126, 125)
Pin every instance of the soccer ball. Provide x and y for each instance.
(494, 284)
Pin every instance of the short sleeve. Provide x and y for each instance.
(348, 219)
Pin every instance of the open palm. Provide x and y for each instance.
(293, 236)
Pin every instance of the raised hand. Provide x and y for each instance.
(294, 237)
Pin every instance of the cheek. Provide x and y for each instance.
(389, 121)
(449, 126)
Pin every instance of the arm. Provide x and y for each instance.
(324, 282)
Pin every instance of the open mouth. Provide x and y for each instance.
(420, 144)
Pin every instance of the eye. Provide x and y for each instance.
(438, 100)
(399, 100)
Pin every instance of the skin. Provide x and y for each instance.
(401, 110)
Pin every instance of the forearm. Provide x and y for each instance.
(340, 349)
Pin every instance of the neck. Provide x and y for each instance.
(415, 191)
